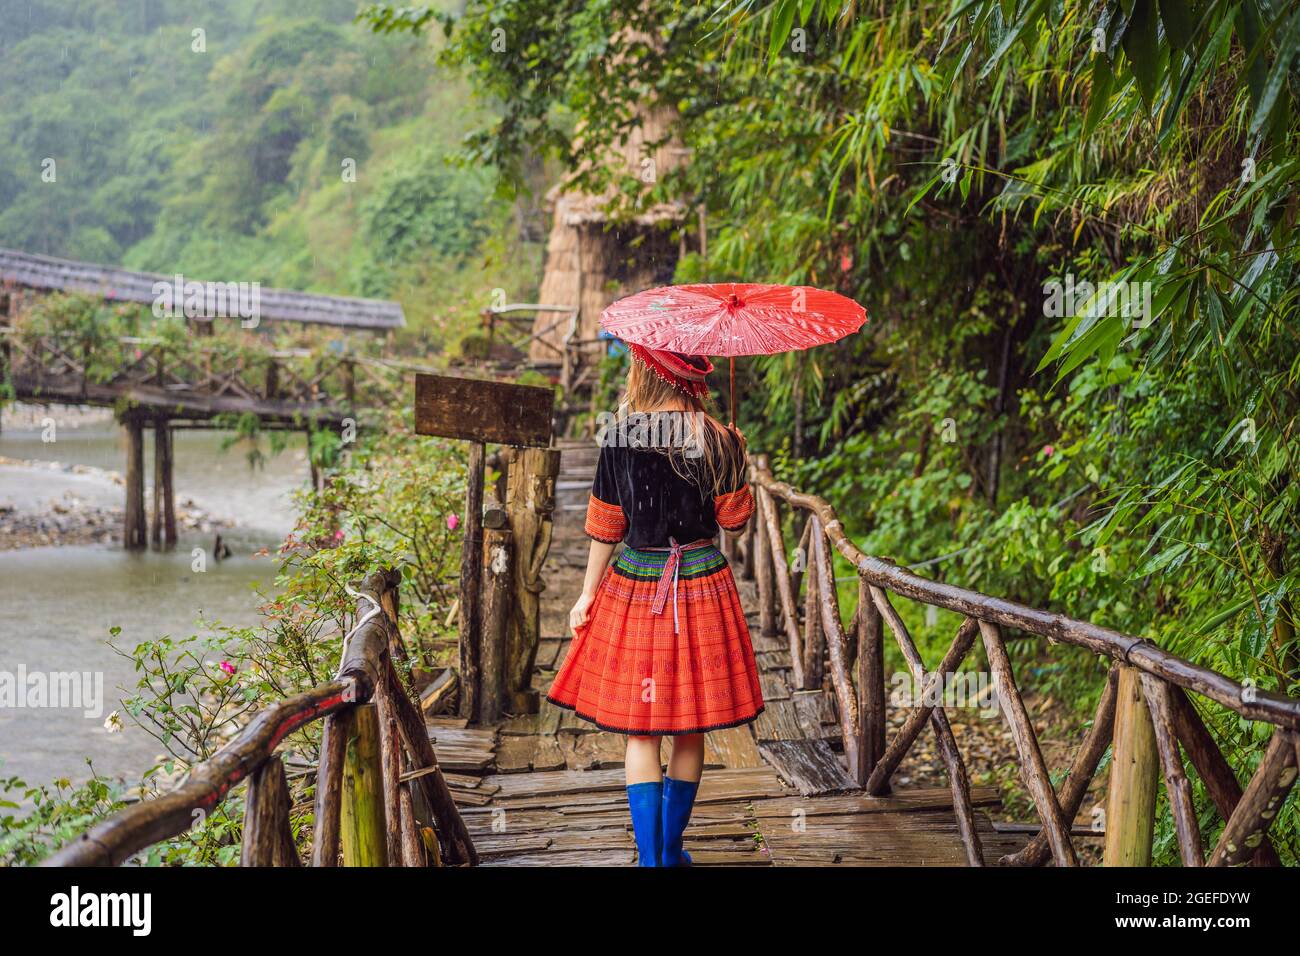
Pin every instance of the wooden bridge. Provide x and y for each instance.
(192, 382)
(812, 782)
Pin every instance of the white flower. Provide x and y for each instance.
(113, 723)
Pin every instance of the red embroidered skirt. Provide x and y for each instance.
(630, 672)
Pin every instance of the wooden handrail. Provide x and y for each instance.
(1254, 704)
(1143, 709)
(365, 674)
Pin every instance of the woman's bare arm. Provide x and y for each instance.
(597, 560)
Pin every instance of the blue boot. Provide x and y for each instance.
(644, 800)
(679, 797)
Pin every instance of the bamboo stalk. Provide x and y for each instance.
(1131, 798)
(364, 831)
(1032, 765)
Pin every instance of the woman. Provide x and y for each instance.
(661, 647)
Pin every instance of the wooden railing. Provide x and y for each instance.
(1144, 711)
(380, 794)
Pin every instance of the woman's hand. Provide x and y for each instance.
(581, 612)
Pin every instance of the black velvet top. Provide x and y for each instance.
(640, 499)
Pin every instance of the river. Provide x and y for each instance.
(58, 603)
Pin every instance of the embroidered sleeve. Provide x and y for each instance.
(605, 518)
(734, 507)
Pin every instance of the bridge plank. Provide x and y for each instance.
(807, 765)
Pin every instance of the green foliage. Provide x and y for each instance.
(944, 162)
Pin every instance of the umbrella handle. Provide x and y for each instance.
(732, 407)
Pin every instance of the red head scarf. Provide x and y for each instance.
(685, 373)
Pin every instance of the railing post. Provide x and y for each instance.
(364, 829)
(871, 681)
(764, 573)
(498, 575)
(135, 532)
(1131, 800)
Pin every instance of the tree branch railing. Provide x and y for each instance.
(380, 794)
(1144, 710)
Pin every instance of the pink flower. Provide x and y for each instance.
(338, 535)
(846, 262)
(1049, 451)
(453, 522)
(228, 667)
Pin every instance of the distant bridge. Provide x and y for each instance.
(194, 381)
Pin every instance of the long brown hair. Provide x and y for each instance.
(721, 460)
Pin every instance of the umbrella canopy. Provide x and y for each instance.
(733, 318)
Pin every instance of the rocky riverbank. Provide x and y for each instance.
(70, 519)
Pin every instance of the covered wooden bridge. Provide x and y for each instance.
(195, 383)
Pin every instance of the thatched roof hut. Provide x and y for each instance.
(592, 260)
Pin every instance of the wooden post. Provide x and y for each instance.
(135, 534)
(471, 559)
(498, 576)
(364, 832)
(329, 791)
(1033, 769)
(1131, 801)
(814, 635)
(530, 506)
(871, 682)
(1220, 781)
(764, 575)
(1177, 786)
(781, 571)
(268, 838)
(1247, 829)
(163, 533)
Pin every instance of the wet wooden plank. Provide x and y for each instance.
(810, 766)
(848, 804)
(779, 721)
(734, 748)
(774, 685)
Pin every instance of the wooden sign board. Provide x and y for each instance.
(483, 410)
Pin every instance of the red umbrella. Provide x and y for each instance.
(733, 318)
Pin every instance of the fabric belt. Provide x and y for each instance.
(668, 577)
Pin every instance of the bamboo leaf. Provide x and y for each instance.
(1103, 80)
(1143, 50)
